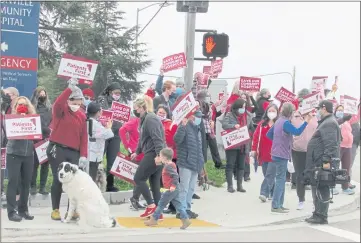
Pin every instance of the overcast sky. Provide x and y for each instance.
(319, 38)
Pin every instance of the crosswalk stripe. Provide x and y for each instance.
(338, 232)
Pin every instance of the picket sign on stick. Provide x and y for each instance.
(309, 103)
(23, 127)
(183, 108)
(234, 138)
(106, 116)
(174, 62)
(249, 84)
(124, 168)
(121, 112)
(3, 158)
(203, 79)
(208, 70)
(350, 105)
(217, 66)
(40, 149)
(317, 81)
(284, 95)
(77, 67)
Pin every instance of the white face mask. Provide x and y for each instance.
(74, 108)
(272, 115)
(116, 97)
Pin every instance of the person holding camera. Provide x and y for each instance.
(323, 151)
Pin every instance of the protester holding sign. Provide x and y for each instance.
(261, 150)
(281, 135)
(68, 139)
(97, 137)
(111, 93)
(151, 142)
(20, 164)
(262, 103)
(237, 155)
(346, 147)
(168, 89)
(42, 105)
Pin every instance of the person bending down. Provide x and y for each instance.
(171, 183)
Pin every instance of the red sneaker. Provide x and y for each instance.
(161, 217)
(148, 212)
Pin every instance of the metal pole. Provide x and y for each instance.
(294, 80)
(136, 35)
(189, 46)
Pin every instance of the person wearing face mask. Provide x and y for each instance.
(164, 99)
(204, 100)
(281, 135)
(112, 145)
(97, 138)
(261, 150)
(346, 147)
(190, 161)
(68, 139)
(42, 105)
(236, 156)
(323, 150)
(151, 142)
(263, 100)
(20, 163)
(88, 96)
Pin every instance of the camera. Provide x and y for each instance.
(329, 177)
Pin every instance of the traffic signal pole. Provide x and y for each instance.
(189, 46)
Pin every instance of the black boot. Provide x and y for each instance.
(315, 219)
(43, 191)
(26, 216)
(110, 184)
(14, 217)
(33, 190)
(240, 174)
(229, 177)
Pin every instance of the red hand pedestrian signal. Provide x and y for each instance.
(215, 45)
(210, 44)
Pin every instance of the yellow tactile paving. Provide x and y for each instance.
(135, 222)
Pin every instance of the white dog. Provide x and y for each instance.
(101, 178)
(85, 197)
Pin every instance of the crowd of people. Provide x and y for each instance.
(172, 156)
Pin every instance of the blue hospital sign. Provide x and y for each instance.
(19, 45)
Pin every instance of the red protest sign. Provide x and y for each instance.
(121, 112)
(40, 149)
(208, 70)
(220, 95)
(106, 116)
(285, 95)
(350, 105)
(174, 62)
(202, 80)
(217, 66)
(249, 84)
(77, 67)
(3, 158)
(23, 127)
(124, 168)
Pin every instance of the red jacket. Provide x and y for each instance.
(69, 128)
(169, 135)
(129, 135)
(262, 144)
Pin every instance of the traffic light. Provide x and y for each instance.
(215, 45)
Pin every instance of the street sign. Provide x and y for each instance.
(19, 45)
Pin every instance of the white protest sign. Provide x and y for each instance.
(77, 67)
(309, 103)
(350, 105)
(23, 127)
(184, 108)
(40, 149)
(317, 81)
(124, 168)
(235, 137)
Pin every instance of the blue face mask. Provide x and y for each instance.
(339, 114)
(241, 110)
(318, 115)
(87, 102)
(197, 121)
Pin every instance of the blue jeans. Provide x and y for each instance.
(168, 197)
(188, 181)
(269, 173)
(279, 190)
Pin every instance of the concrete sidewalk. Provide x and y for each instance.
(216, 208)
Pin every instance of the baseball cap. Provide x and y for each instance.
(93, 108)
(325, 104)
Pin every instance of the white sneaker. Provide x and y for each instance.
(301, 205)
(262, 198)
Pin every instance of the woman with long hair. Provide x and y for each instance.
(261, 150)
(20, 163)
(41, 102)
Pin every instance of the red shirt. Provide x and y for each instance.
(262, 144)
(170, 177)
(69, 128)
(129, 135)
(169, 135)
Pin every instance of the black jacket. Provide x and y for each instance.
(259, 110)
(324, 145)
(45, 117)
(356, 133)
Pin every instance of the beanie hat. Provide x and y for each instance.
(88, 92)
(77, 94)
(113, 86)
